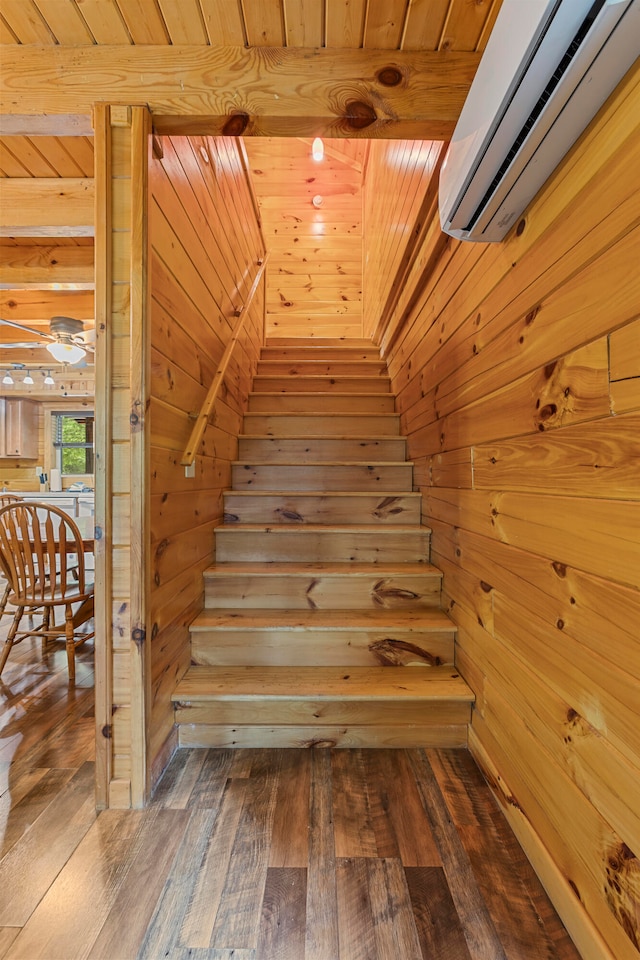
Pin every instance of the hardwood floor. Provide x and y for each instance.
(253, 854)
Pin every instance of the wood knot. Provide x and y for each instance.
(560, 569)
(359, 114)
(106, 731)
(520, 228)
(389, 76)
(236, 125)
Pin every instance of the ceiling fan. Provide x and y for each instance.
(67, 340)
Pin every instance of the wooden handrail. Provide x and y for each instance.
(202, 419)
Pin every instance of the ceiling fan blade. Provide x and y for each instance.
(28, 345)
(21, 326)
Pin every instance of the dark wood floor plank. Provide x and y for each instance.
(78, 902)
(354, 832)
(162, 938)
(480, 933)
(438, 925)
(355, 914)
(7, 936)
(24, 812)
(282, 925)
(486, 838)
(33, 863)
(179, 779)
(212, 780)
(237, 922)
(290, 835)
(150, 860)
(321, 938)
(202, 905)
(391, 778)
(394, 924)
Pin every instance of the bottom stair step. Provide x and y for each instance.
(322, 706)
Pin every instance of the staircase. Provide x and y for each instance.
(322, 622)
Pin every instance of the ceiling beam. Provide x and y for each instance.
(49, 125)
(260, 91)
(66, 204)
(33, 306)
(45, 265)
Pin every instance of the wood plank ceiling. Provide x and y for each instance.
(38, 262)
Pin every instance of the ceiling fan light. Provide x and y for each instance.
(7, 379)
(66, 352)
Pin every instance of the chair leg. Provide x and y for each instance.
(13, 629)
(5, 597)
(71, 647)
(46, 618)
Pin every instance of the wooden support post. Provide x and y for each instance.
(122, 135)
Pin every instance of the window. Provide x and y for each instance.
(73, 443)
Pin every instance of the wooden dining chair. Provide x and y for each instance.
(5, 499)
(41, 553)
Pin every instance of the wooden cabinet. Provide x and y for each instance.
(19, 428)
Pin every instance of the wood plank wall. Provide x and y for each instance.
(396, 182)
(314, 277)
(205, 243)
(518, 377)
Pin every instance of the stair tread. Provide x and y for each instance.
(315, 393)
(285, 492)
(424, 619)
(368, 438)
(322, 463)
(324, 528)
(352, 683)
(304, 568)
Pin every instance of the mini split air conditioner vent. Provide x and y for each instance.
(547, 69)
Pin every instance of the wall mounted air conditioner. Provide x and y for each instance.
(548, 67)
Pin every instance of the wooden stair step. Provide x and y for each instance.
(305, 368)
(366, 684)
(320, 353)
(271, 637)
(320, 424)
(315, 542)
(320, 476)
(322, 384)
(324, 506)
(301, 402)
(314, 343)
(302, 450)
(254, 706)
(333, 586)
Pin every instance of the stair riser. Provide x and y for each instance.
(317, 352)
(331, 425)
(327, 368)
(322, 592)
(338, 477)
(372, 737)
(319, 712)
(297, 450)
(281, 545)
(381, 385)
(331, 509)
(326, 403)
(221, 647)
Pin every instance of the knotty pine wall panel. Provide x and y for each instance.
(517, 372)
(314, 276)
(396, 180)
(205, 244)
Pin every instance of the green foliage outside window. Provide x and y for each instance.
(73, 434)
